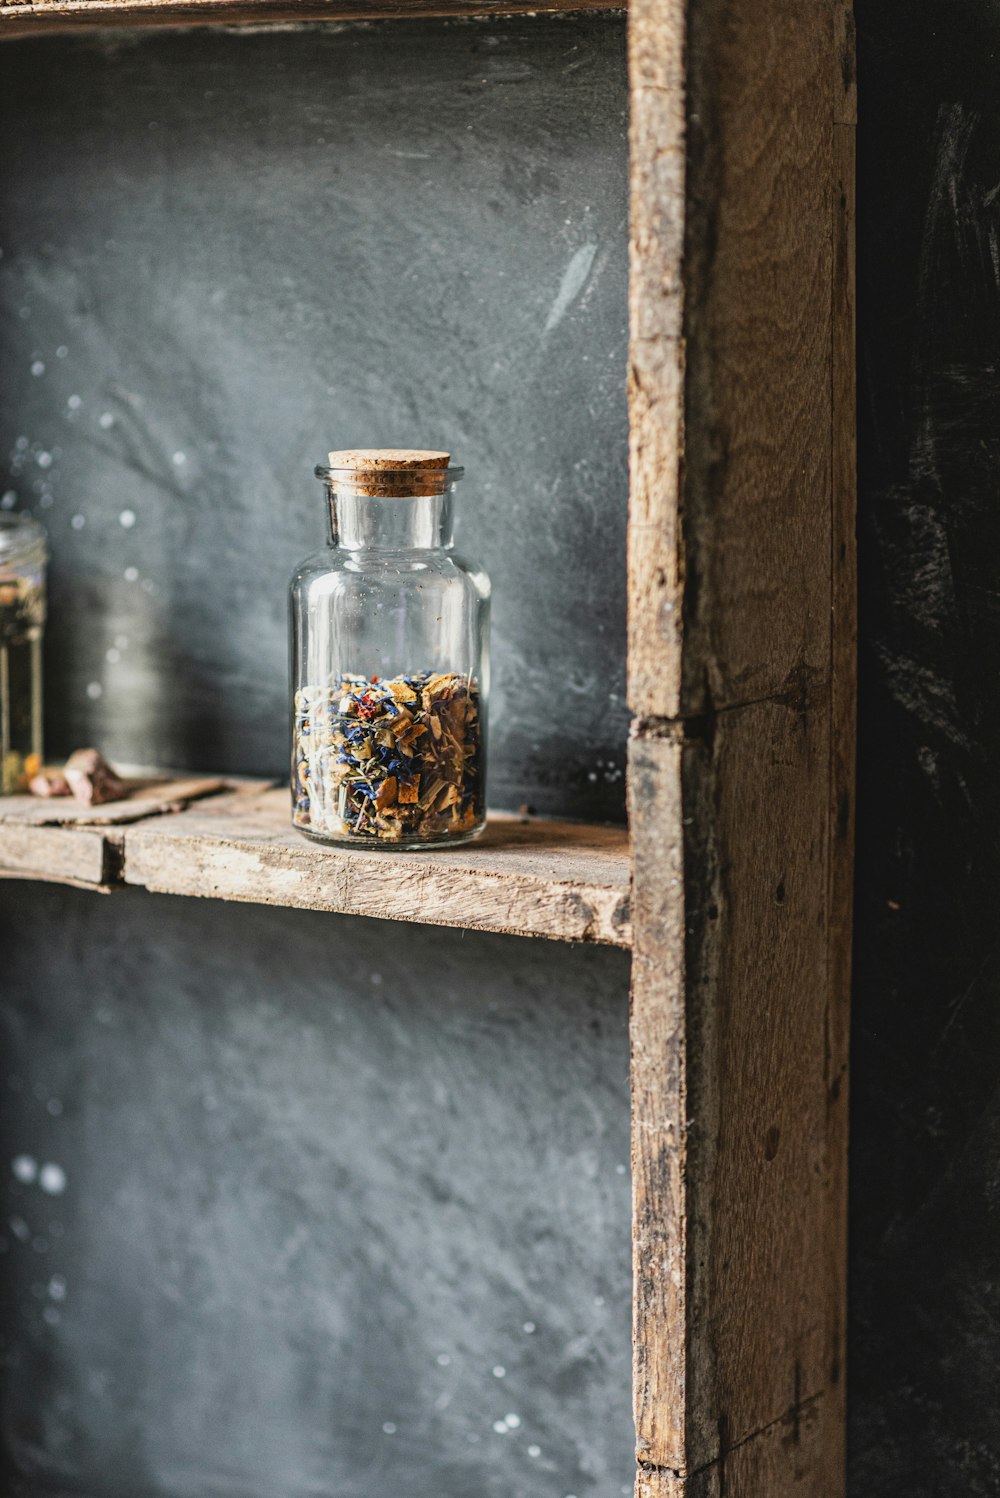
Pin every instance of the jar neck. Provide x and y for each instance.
(365, 522)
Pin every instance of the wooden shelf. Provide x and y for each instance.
(51, 15)
(561, 880)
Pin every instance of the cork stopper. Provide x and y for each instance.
(390, 472)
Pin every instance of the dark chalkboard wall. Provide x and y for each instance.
(226, 253)
(924, 1369)
(299, 1206)
(332, 1209)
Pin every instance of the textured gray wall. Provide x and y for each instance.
(313, 1186)
(314, 1175)
(224, 254)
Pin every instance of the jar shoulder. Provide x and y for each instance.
(335, 569)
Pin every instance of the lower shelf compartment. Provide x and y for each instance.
(527, 877)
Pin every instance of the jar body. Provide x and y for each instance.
(22, 622)
(390, 678)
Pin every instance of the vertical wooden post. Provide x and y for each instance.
(741, 667)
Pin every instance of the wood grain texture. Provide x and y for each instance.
(784, 1460)
(562, 880)
(58, 854)
(740, 764)
(843, 741)
(729, 1076)
(737, 584)
(146, 797)
(533, 879)
(657, 132)
(658, 1041)
(61, 15)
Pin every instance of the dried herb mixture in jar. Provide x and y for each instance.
(390, 760)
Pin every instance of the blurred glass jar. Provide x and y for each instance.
(23, 556)
(389, 661)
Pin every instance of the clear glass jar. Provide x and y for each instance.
(23, 555)
(389, 662)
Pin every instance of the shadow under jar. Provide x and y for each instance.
(389, 661)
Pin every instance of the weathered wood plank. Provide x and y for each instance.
(785, 1460)
(729, 1076)
(550, 879)
(146, 797)
(741, 596)
(733, 575)
(17, 20)
(657, 131)
(658, 1037)
(562, 880)
(58, 854)
(842, 751)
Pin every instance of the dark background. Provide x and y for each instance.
(925, 1159)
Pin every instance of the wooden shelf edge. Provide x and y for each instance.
(565, 881)
(17, 20)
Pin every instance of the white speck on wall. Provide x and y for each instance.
(94, 690)
(112, 656)
(389, 1428)
(574, 278)
(9, 500)
(131, 574)
(57, 1287)
(52, 1179)
(20, 1229)
(529, 1327)
(499, 1371)
(38, 369)
(500, 1426)
(25, 1169)
(513, 1421)
(44, 460)
(106, 420)
(443, 1359)
(179, 459)
(376, 979)
(54, 1107)
(74, 403)
(51, 1316)
(127, 519)
(620, 1169)
(78, 522)
(598, 1300)
(534, 1450)
(61, 351)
